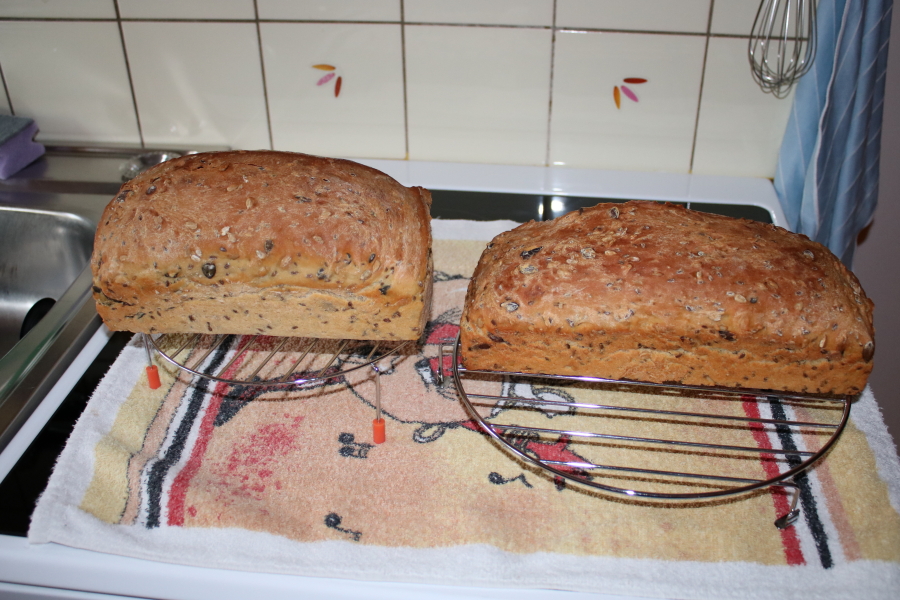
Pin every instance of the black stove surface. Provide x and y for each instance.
(491, 206)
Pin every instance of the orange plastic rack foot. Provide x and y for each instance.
(153, 377)
(378, 430)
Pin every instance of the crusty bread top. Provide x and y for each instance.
(669, 278)
(263, 219)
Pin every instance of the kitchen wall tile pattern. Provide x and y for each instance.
(366, 118)
(186, 9)
(484, 98)
(70, 77)
(178, 101)
(724, 141)
(734, 17)
(657, 128)
(59, 9)
(330, 10)
(537, 13)
(5, 108)
(690, 16)
(497, 81)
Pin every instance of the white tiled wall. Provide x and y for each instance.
(538, 13)
(71, 77)
(329, 10)
(483, 98)
(738, 126)
(650, 85)
(354, 110)
(185, 9)
(59, 9)
(178, 101)
(653, 128)
(635, 15)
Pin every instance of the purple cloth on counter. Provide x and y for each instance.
(17, 146)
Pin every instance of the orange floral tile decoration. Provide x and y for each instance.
(329, 76)
(624, 89)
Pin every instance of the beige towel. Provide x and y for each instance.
(206, 473)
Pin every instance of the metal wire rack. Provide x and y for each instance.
(255, 360)
(654, 441)
(317, 359)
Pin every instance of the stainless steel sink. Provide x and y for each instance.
(46, 313)
(48, 214)
(41, 255)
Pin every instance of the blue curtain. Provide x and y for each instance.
(827, 176)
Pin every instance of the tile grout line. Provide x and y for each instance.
(401, 22)
(262, 71)
(403, 68)
(9, 101)
(712, 4)
(550, 92)
(137, 112)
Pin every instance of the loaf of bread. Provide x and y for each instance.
(654, 292)
(265, 242)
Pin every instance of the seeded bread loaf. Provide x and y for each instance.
(265, 242)
(654, 292)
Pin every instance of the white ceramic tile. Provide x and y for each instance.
(478, 94)
(202, 86)
(740, 127)
(5, 108)
(310, 113)
(70, 77)
(330, 10)
(480, 12)
(734, 16)
(653, 131)
(75, 9)
(186, 9)
(686, 16)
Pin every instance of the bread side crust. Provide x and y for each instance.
(318, 247)
(653, 292)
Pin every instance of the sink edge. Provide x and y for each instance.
(32, 366)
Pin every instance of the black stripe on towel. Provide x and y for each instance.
(160, 468)
(807, 498)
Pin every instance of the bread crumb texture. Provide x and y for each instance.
(267, 242)
(654, 292)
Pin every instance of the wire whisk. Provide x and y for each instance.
(782, 44)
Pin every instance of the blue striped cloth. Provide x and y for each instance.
(827, 176)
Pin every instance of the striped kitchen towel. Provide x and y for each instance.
(290, 481)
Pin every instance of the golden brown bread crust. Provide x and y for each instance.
(655, 292)
(265, 242)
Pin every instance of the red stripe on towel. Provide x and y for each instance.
(789, 540)
(182, 482)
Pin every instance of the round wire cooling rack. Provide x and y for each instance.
(318, 359)
(663, 442)
(304, 362)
